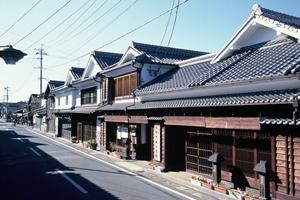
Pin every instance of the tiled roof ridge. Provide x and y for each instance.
(77, 68)
(56, 81)
(158, 47)
(107, 54)
(195, 60)
(290, 20)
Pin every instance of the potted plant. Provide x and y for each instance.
(205, 183)
(194, 180)
(93, 144)
(221, 188)
(112, 146)
(74, 139)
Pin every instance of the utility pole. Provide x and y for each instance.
(7, 90)
(41, 53)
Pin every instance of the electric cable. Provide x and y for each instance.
(123, 35)
(89, 17)
(18, 20)
(95, 21)
(104, 27)
(174, 24)
(52, 15)
(167, 26)
(74, 22)
(61, 23)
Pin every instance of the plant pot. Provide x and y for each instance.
(207, 185)
(221, 189)
(94, 147)
(195, 182)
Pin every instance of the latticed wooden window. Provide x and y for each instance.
(199, 147)
(125, 85)
(224, 145)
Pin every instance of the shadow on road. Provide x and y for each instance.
(25, 175)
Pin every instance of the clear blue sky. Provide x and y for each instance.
(201, 25)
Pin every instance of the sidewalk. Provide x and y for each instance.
(178, 181)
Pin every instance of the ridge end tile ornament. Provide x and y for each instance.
(11, 55)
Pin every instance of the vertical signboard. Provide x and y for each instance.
(157, 142)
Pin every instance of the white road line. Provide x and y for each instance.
(81, 189)
(34, 151)
(20, 140)
(119, 168)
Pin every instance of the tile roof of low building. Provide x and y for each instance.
(106, 59)
(274, 58)
(77, 72)
(279, 121)
(162, 54)
(84, 109)
(114, 106)
(254, 98)
(53, 84)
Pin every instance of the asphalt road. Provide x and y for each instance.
(33, 167)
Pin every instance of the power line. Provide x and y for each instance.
(62, 22)
(167, 26)
(174, 24)
(105, 27)
(20, 18)
(89, 17)
(124, 35)
(76, 20)
(42, 22)
(95, 21)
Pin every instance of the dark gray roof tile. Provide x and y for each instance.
(274, 58)
(167, 55)
(254, 98)
(77, 72)
(53, 84)
(106, 59)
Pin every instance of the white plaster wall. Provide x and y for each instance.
(98, 133)
(62, 97)
(56, 126)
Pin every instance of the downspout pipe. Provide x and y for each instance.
(295, 112)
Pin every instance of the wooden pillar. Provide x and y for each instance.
(291, 164)
(233, 149)
(273, 164)
(286, 164)
(255, 161)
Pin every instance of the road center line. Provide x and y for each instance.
(34, 151)
(81, 189)
(20, 140)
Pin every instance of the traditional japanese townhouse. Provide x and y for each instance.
(87, 96)
(65, 101)
(32, 104)
(50, 104)
(241, 103)
(39, 114)
(140, 64)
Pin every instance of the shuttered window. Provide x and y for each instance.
(125, 85)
